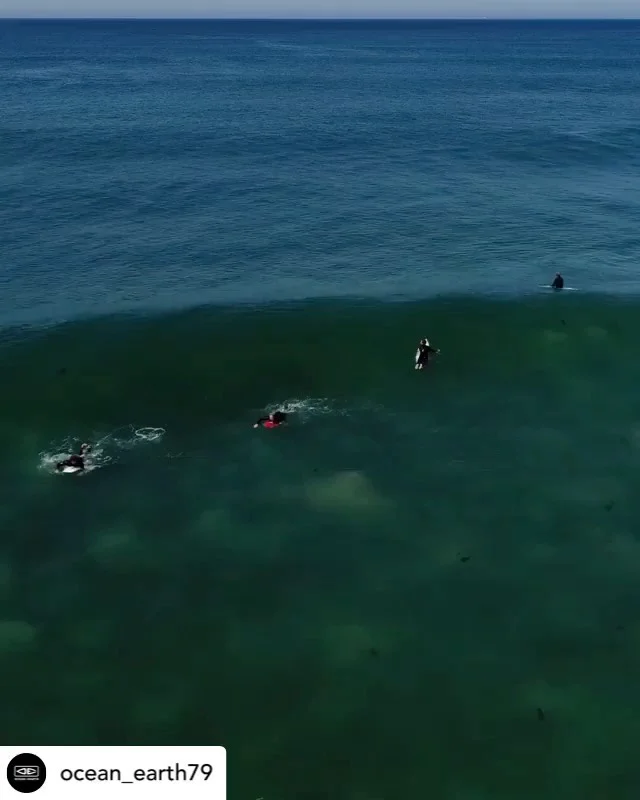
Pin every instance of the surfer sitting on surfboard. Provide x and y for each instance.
(423, 353)
(75, 461)
(558, 282)
(274, 420)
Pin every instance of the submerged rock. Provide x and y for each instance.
(348, 491)
(16, 635)
(117, 547)
(5, 576)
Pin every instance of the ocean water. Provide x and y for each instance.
(427, 584)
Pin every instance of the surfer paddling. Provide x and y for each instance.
(558, 282)
(424, 353)
(75, 461)
(274, 420)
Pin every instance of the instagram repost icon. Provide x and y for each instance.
(26, 773)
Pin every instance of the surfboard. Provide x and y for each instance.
(70, 470)
(564, 289)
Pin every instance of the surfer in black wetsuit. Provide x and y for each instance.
(77, 460)
(558, 282)
(423, 353)
(274, 420)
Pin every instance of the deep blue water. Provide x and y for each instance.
(162, 164)
(426, 585)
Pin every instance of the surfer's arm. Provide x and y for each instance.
(260, 422)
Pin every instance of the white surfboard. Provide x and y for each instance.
(70, 470)
(564, 289)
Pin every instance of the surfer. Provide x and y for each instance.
(423, 353)
(75, 461)
(558, 282)
(274, 420)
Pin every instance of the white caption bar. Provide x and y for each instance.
(113, 773)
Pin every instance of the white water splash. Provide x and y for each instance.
(308, 407)
(103, 447)
(96, 459)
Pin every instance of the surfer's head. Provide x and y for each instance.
(424, 342)
(277, 416)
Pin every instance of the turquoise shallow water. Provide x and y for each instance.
(426, 583)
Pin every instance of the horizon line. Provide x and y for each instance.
(483, 18)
